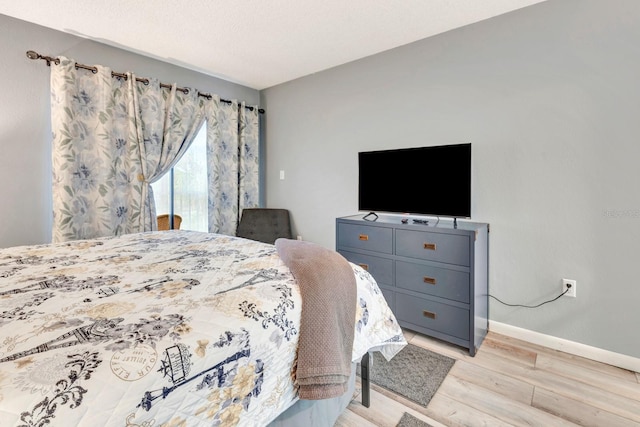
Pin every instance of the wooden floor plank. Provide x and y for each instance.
(588, 376)
(509, 387)
(440, 347)
(385, 410)
(578, 412)
(511, 382)
(515, 413)
(350, 419)
(571, 358)
(510, 351)
(455, 414)
(408, 334)
(568, 387)
(426, 419)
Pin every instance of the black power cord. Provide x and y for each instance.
(532, 306)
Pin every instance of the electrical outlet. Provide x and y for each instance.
(571, 284)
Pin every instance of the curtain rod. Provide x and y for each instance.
(35, 55)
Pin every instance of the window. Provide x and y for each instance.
(189, 191)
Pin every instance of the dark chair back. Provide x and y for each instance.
(264, 224)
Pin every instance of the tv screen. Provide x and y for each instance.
(432, 180)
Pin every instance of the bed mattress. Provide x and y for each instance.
(172, 328)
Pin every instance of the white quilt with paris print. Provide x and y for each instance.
(172, 328)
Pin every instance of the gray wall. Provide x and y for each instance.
(549, 96)
(25, 129)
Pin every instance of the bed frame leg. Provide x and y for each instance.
(364, 377)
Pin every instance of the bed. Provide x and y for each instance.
(170, 328)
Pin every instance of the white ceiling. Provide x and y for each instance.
(257, 43)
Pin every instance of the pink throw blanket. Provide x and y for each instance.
(328, 288)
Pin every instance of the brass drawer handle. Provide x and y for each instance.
(430, 246)
(364, 266)
(429, 280)
(429, 314)
(364, 237)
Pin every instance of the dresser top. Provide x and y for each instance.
(433, 222)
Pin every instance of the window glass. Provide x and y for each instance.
(189, 187)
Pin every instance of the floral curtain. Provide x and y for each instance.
(249, 158)
(232, 163)
(111, 138)
(170, 120)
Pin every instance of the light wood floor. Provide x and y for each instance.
(511, 383)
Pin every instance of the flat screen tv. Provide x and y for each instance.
(433, 181)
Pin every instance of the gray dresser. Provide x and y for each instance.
(434, 277)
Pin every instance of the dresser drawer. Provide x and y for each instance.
(390, 297)
(447, 248)
(434, 278)
(433, 315)
(380, 268)
(441, 282)
(377, 239)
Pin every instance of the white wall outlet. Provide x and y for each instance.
(572, 289)
(281, 174)
(299, 237)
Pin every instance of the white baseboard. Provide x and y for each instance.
(571, 347)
